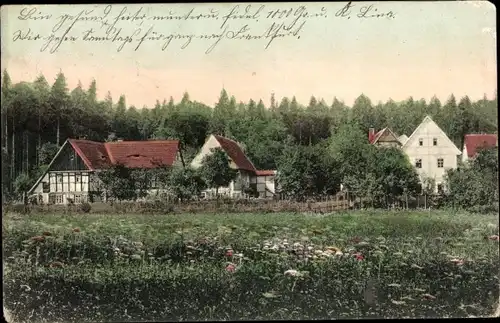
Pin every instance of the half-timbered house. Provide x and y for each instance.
(72, 173)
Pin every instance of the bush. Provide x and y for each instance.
(155, 206)
(85, 207)
(17, 208)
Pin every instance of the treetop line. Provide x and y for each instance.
(39, 117)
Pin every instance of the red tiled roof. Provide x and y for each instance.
(234, 151)
(473, 142)
(93, 154)
(265, 172)
(132, 154)
(374, 138)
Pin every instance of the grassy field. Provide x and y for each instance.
(249, 266)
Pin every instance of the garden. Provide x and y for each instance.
(251, 266)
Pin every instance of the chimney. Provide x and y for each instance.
(371, 134)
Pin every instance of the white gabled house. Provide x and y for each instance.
(261, 181)
(431, 152)
(402, 139)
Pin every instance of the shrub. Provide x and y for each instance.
(155, 206)
(85, 207)
(17, 208)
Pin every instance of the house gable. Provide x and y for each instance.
(237, 158)
(210, 143)
(68, 159)
(386, 136)
(428, 130)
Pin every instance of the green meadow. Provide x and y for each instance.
(94, 268)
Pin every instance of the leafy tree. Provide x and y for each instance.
(394, 174)
(141, 179)
(221, 113)
(47, 152)
(361, 112)
(22, 185)
(307, 171)
(118, 183)
(186, 183)
(349, 146)
(59, 101)
(475, 184)
(216, 171)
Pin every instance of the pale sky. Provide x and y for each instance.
(428, 48)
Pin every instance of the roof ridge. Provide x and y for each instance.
(142, 141)
(84, 140)
(111, 157)
(219, 137)
(226, 138)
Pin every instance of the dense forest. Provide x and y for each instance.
(37, 117)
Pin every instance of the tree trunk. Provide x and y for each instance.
(25, 201)
(9, 178)
(27, 153)
(13, 159)
(57, 133)
(6, 132)
(39, 140)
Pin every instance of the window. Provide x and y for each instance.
(418, 163)
(440, 162)
(440, 188)
(420, 142)
(59, 178)
(78, 178)
(59, 199)
(78, 198)
(45, 187)
(434, 142)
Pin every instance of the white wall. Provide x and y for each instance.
(39, 187)
(71, 185)
(211, 143)
(429, 154)
(465, 156)
(265, 185)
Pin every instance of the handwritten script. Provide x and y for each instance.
(130, 28)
